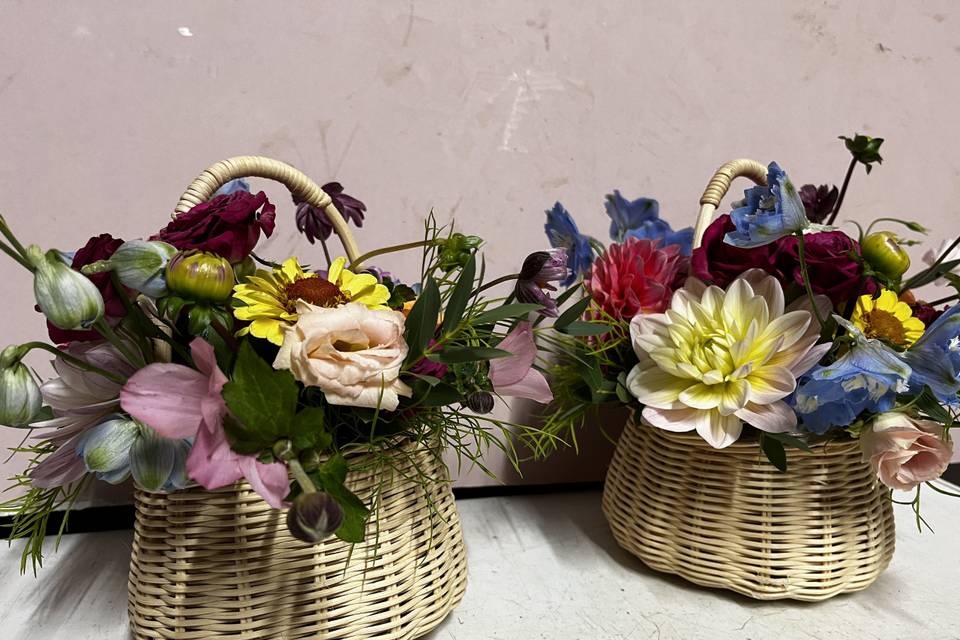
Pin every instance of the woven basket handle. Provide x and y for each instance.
(719, 184)
(301, 187)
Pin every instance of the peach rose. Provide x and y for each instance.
(352, 353)
(905, 452)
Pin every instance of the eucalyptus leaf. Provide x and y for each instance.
(422, 321)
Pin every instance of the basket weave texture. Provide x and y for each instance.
(728, 518)
(221, 564)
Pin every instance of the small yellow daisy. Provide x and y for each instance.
(887, 318)
(268, 299)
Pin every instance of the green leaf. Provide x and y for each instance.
(459, 355)
(573, 313)
(623, 394)
(457, 303)
(929, 275)
(790, 441)
(399, 295)
(331, 477)
(440, 396)
(581, 328)
(774, 451)
(506, 312)
(307, 431)
(263, 400)
(927, 402)
(422, 321)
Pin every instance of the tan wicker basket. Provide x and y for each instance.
(728, 518)
(221, 564)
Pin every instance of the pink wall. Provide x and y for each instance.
(483, 111)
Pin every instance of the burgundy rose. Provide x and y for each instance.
(228, 225)
(926, 312)
(716, 262)
(97, 248)
(831, 262)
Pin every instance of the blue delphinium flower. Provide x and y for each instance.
(769, 213)
(866, 378)
(640, 218)
(563, 233)
(935, 357)
(239, 184)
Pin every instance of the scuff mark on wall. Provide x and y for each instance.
(530, 89)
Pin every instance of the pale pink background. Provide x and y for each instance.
(488, 112)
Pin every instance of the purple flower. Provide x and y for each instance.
(314, 223)
(538, 271)
(427, 367)
(818, 201)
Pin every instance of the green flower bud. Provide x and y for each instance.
(864, 149)
(20, 398)
(67, 297)
(314, 516)
(106, 448)
(883, 252)
(200, 276)
(139, 265)
(244, 268)
(457, 250)
(310, 460)
(283, 450)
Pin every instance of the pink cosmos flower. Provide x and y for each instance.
(514, 375)
(180, 402)
(634, 277)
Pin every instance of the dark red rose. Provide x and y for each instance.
(98, 248)
(926, 312)
(716, 262)
(228, 225)
(831, 262)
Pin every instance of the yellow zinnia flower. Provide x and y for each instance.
(268, 299)
(887, 318)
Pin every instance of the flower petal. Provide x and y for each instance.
(654, 387)
(772, 418)
(533, 386)
(166, 397)
(271, 481)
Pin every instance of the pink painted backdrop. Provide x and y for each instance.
(486, 112)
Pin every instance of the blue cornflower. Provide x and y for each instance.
(640, 218)
(769, 213)
(866, 378)
(563, 233)
(935, 357)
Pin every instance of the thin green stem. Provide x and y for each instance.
(944, 300)
(494, 283)
(393, 249)
(136, 314)
(77, 362)
(306, 484)
(843, 191)
(13, 254)
(8, 234)
(326, 252)
(801, 254)
(943, 255)
(104, 328)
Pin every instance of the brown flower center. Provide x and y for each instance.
(883, 324)
(316, 291)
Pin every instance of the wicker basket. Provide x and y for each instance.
(728, 518)
(221, 564)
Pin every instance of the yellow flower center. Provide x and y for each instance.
(883, 325)
(316, 291)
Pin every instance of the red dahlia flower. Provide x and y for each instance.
(634, 277)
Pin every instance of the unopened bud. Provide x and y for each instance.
(479, 402)
(200, 276)
(313, 517)
(65, 296)
(139, 265)
(20, 398)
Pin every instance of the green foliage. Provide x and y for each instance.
(459, 355)
(864, 149)
(572, 314)
(330, 477)
(505, 312)
(773, 449)
(460, 297)
(422, 322)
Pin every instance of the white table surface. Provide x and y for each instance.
(547, 567)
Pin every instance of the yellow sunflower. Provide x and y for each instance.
(268, 299)
(887, 318)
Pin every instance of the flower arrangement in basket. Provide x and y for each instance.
(766, 330)
(188, 359)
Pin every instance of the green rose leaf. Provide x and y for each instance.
(263, 401)
(307, 431)
(774, 451)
